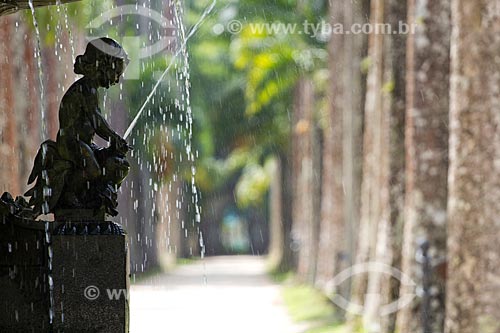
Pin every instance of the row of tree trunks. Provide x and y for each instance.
(383, 175)
(409, 196)
(426, 165)
(474, 172)
(429, 206)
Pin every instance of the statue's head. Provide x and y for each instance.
(104, 61)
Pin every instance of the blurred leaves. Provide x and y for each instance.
(243, 87)
(54, 19)
(253, 184)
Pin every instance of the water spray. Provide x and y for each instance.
(190, 34)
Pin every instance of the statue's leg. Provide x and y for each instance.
(114, 170)
(89, 163)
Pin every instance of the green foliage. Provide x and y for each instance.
(279, 276)
(253, 184)
(52, 20)
(308, 304)
(388, 87)
(272, 59)
(271, 71)
(311, 307)
(242, 89)
(331, 329)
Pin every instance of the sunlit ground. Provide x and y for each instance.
(218, 294)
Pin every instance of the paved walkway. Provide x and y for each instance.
(215, 295)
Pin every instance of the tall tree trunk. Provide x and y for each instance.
(371, 137)
(354, 80)
(395, 84)
(9, 162)
(426, 164)
(331, 241)
(53, 94)
(32, 95)
(276, 232)
(280, 251)
(342, 151)
(168, 233)
(383, 175)
(474, 173)
(21, 102)
(303, 201)
(212, 214)
(287, 261)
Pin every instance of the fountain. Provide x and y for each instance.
(63, 274)
(57, 270)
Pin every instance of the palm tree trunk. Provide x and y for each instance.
(426, 164)
(9, 162)
(474, 172)
(383, 167)
(332, 225)
(371, 137)
(304, 231)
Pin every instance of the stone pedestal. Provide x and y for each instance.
(24, 305)
(71, 275)
(90, 275)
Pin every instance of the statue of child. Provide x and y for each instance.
(74, 172)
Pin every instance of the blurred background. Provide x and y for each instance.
(275, 132)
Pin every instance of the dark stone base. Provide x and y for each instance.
(23, 276)
(87, 270)
(84, 256)
(79, 215)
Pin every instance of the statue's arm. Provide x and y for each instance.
(99, 123)
(102, 127)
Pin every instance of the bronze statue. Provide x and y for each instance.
(78, 182)
(73, 172)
